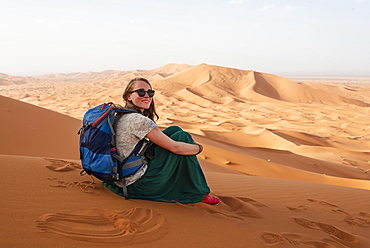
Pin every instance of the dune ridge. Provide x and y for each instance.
(289, 161)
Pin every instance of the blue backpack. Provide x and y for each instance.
(98, 153)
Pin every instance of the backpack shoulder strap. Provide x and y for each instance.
(125, 110)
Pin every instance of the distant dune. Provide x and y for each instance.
(289, 160)
(222, 84)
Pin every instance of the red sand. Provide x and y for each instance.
(288, 160)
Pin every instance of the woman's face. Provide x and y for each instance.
(140, 102)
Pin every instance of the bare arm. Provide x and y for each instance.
(181, 148)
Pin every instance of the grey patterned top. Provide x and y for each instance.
(130, 129)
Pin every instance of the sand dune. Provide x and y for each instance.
(15, 80)
(289, 161)
(29, 130)
(217, 83)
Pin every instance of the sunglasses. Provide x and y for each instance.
(141, 92)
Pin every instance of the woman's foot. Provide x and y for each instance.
(212, 200)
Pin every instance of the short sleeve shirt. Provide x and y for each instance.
(130, 129)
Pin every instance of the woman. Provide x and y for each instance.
(174, 173)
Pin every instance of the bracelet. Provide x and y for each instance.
(200, 149)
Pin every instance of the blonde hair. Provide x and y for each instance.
(150, 112)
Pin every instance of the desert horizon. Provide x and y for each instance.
(330, 76)
(289, 157)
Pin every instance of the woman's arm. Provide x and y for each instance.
(181, 148)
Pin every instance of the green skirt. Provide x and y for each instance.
(170, 177)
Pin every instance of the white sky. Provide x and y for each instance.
(272, 36)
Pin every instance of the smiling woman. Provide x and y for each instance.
(134, 99)
(173, 174)
(142, 96)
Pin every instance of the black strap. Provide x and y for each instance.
(124, 188)
(125, 110)
(83, 172)
(137, 148)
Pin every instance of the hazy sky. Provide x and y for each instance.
(273, 36)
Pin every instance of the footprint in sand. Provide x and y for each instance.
(236, 207)
(363, 220)
(357, 221)
(322, 202)
(298, 209)
(330, 229)
(59, 165)
(84, 186)
(335, 209)
(272, 238)
(364, 214)
(339, 211)
(296, 240)
(104, 225)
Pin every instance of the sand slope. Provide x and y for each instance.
(61, 209)
(288, 160)
(29, 130)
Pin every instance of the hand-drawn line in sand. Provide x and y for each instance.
(84, 186)
(59, 165)
(104, 225)
(235, 207)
